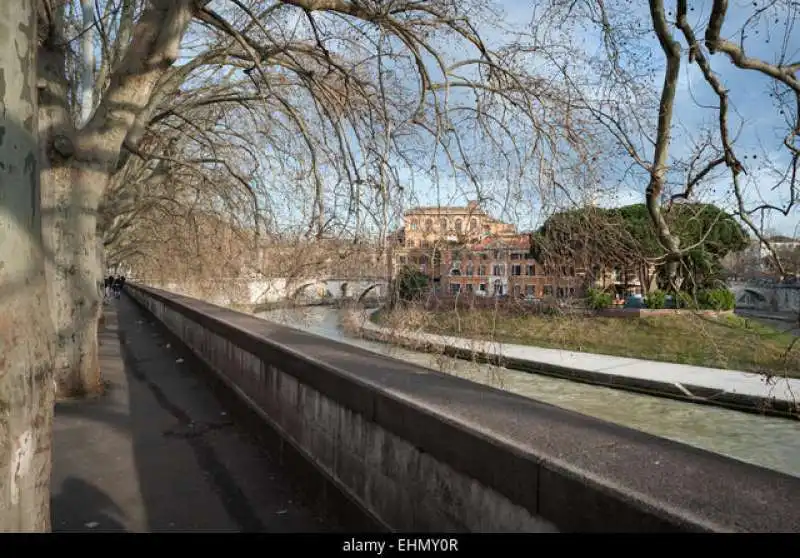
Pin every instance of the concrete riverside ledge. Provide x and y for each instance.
(429, 452)
(742, 391)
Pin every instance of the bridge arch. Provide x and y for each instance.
(301, 289)
(755, 293)
(369, 289)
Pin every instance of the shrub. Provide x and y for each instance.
(411, 284)
(685, 300)
(549, 307)
(656, 300)
(716, 299)
(598, 300)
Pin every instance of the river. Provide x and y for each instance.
(773, 443)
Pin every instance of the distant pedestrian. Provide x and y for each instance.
(109, 284)
(117, 286)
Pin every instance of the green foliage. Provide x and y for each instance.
(411, 284)
(685, 300)
(707, 299)
(656, 300)
(626, 234)
(716, 299)
(598, 300)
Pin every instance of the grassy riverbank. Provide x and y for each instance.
(730, 342)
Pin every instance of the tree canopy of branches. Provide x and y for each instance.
(291, 117)
(634, 87)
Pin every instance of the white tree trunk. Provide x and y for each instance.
(87, 53)
(26, 386)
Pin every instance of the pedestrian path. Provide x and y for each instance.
(695, 382)
(158, 452)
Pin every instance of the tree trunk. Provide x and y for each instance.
(26, 385)
(73, 275)
(70, 197)
(87, 61)
(76, 168)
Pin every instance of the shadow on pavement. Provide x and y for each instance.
(159, 451)
(80, 506)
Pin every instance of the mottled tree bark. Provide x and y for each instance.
(26, 367)
(76, 169)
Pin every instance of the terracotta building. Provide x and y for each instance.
(465, 250)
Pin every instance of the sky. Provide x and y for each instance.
(751, 105)
(763, 125)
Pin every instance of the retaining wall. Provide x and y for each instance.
(423, 451)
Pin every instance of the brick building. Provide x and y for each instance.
(465, 250)
(500, 266)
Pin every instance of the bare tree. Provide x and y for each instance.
(368, 88)
(26, 364)
(619, 90)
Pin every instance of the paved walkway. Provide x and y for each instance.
(686, 378)
(157, 452)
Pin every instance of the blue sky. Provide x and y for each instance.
(525, 205)
(762, 125)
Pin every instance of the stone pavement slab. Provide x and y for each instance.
(158, 451)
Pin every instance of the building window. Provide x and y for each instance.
(516, 270)
(560, 292)
(455, 288)
(572, 292)
(473, 224)
(401, 260)
(413, 225)
(459, 223)
(469, 270)
(428, 225)
(470, 288)
(482, 288)
(482, 271)
(516, 256)
(498, 270)
(531, 270)
(517, 291)
(443, 225)
(410, 243)
(548, 290)
(498, 287)
(530, 290)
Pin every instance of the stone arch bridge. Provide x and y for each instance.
(773, 298)
(339, 289)
(249, 292)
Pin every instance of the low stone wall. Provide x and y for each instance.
(422, 451)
